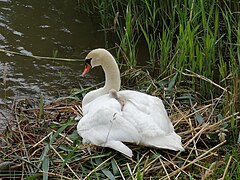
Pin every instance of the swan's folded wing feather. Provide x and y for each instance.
(105, 123)
(160, 116)
(172, 141)
(119, 146)
(99, 128)
(147, 113)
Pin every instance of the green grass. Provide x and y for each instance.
(198, 39)
(46, 145)
(201, 36)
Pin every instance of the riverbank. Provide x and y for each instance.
(192, 65)
(41, 141)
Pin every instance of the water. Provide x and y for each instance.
(43, 28)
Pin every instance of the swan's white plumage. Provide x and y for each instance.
(142, 120)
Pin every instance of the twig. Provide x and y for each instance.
(66, 163)
(189, 115)
(183, 158)
(205, 79)
(195, 160)
(226, 169)
(79, 110)
(164, 168)
(95, 169)
(40, 57)
(172, 163)
(140, 160)
(55, 174)
(119, 169)
(183, 116)
(194, 142)
(198, 133)
(23, 142)
(42, 139)
(65, 137)
(129, 169)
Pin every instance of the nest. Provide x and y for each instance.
(41, 142)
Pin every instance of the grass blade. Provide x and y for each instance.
(172, 82)
(45, 167)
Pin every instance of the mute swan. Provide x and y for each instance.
(111, 117)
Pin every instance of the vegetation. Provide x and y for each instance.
(202, 36)
(193, 64)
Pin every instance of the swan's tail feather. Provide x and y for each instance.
(119, 146)
(172, 142)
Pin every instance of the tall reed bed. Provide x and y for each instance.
(202, 36)
(197, 40)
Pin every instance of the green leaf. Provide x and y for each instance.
(172, 82)
(187, 97)
(114, 167)
(162, 83)
(65, 147)
(45, 167)
(61, 129)
(74, 136)
(220, 117)
(199, 118)
(52, 137)
(43, 155)
(68, 157)
(139, 174)
(108, 174)
(22, 159)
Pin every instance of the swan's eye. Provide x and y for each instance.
(88, 61)
(87, 66)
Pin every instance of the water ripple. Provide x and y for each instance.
(24, 51)
(43, 28)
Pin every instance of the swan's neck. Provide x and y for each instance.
(112, 80)
(112, 76)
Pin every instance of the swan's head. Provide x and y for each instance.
(95, 58)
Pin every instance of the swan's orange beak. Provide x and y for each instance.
(87, 69)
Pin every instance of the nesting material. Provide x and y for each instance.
(44, 140)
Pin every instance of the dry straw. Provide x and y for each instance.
(49, 147)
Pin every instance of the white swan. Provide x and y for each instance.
(111, 117)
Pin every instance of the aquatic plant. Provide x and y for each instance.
(201, 36)
(198, 40)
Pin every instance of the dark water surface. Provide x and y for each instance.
(41, 28)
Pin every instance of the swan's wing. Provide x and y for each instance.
(171, 141)
(104, 125)
(119, 146)
(91, 100)
(147, 113)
